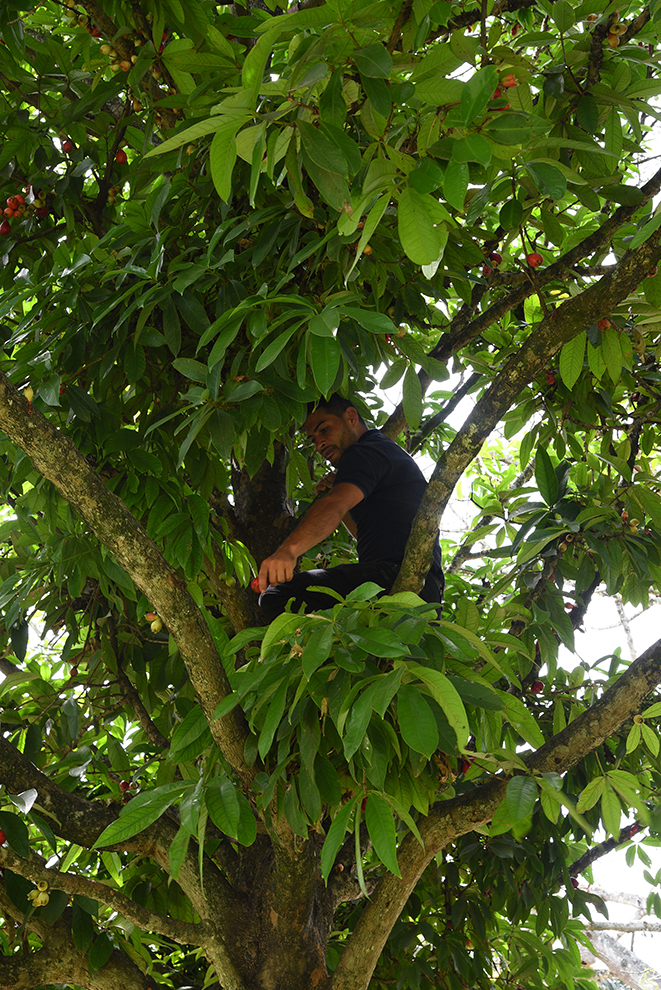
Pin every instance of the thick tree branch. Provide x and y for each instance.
(58, 460)
(592, 855)
(450, 819)
(624, 964)
(561, 325)
(150, 921)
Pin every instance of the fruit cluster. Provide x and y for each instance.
(39, 896)
(20, 207)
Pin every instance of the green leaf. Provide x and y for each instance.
(548, 179)
(448, 698)
(571, 359)
(476, 94)
(223, 805)
(247, 829)
(270, 353)
(366, 318)
(417, 724)
(222, 157)
(455, 183)
(191, 737)
(511, 214)
(100, 952)
(521, 795)
(317, 649)
(645, 231)
(178, 850)
(419, 237)
(140, 813)
(472, 148)
(611, 812)
(587, 114)
(335, 837)
(381, 830)
(16, 832)
(326, 165)
(545, 477)
(325, 356)
(611, 350)
(563, 15)
(379, 642)
(325, 776)
(332, 105)
(412, 398)
(374, 61)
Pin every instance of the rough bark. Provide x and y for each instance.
(624, 964)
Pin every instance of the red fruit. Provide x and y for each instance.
(13, 202)
(465, 766)
(41, 212)
(486, 271)
(497, 93)
(150, 616)
(550, 378)
(67, 146)
(5, 228)
(124, 785)
(3, 838)
(603, 324)
(495, 257)
(8, 212)
(574, 883)
(254, 584)
(508, 81)
(388, 338)
(635, 397)
(534, 259)
(569, 606)
(537, 687)
(515, 30)
(62, 389)
(652, 273)
(121, 157)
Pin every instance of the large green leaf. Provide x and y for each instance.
(571, 359)
(417, 232)
(381, 830)
(417, 724)
(140, 813)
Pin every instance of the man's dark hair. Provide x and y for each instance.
(335, 404)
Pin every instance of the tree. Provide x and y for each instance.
(215, 215)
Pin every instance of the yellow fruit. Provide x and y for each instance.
(28, 392)
(156, 625)
(42, 885)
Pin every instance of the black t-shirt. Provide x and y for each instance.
(393, 486)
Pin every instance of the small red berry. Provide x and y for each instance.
(496, 258)
(534, 259)
(486, 271)
(537, 687)
(603, 324)
(3, 838)
(574, 883)
(550, 378)
(124, 785)
(5, 228)
(497, 93)
(67, 146)
(652, 273)
(254, 584)
(121, 157)
(13, 203)
(508, 81)
(8, 212)
(19, 199)
(41, 212)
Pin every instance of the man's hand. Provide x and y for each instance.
(326, 483)
(322, 518)
(277, 568)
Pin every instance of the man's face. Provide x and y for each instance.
(330, 434)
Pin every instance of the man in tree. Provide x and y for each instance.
(375, 490)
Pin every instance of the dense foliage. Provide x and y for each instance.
(215, 215)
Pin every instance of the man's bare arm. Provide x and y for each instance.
(320, 521)
(324, 485)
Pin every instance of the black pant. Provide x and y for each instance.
(342, 579)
